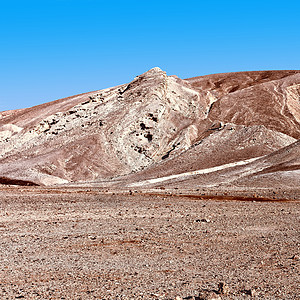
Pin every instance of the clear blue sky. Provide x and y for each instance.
(58, 48)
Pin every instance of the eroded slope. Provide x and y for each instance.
(155, 126)
(108, 133)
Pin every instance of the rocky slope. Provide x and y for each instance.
(159, 126)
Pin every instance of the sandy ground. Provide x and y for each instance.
(72, 244)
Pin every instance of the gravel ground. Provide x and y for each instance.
(94, 245)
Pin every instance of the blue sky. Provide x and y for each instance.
(58, 48)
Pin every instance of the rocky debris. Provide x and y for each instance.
(208, 295)
(105, 244)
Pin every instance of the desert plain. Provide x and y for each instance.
(100, 244)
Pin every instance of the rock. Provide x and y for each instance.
(251, 292)
(223, 288)
(208, 295)
(203, 220)
(296, 257)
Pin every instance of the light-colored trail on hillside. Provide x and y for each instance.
(196, 172)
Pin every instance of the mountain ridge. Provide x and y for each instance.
(156, 125)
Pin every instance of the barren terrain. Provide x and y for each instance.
(97, 244)
(158, 126)
(161, 188)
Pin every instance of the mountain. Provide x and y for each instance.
(238, 129)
